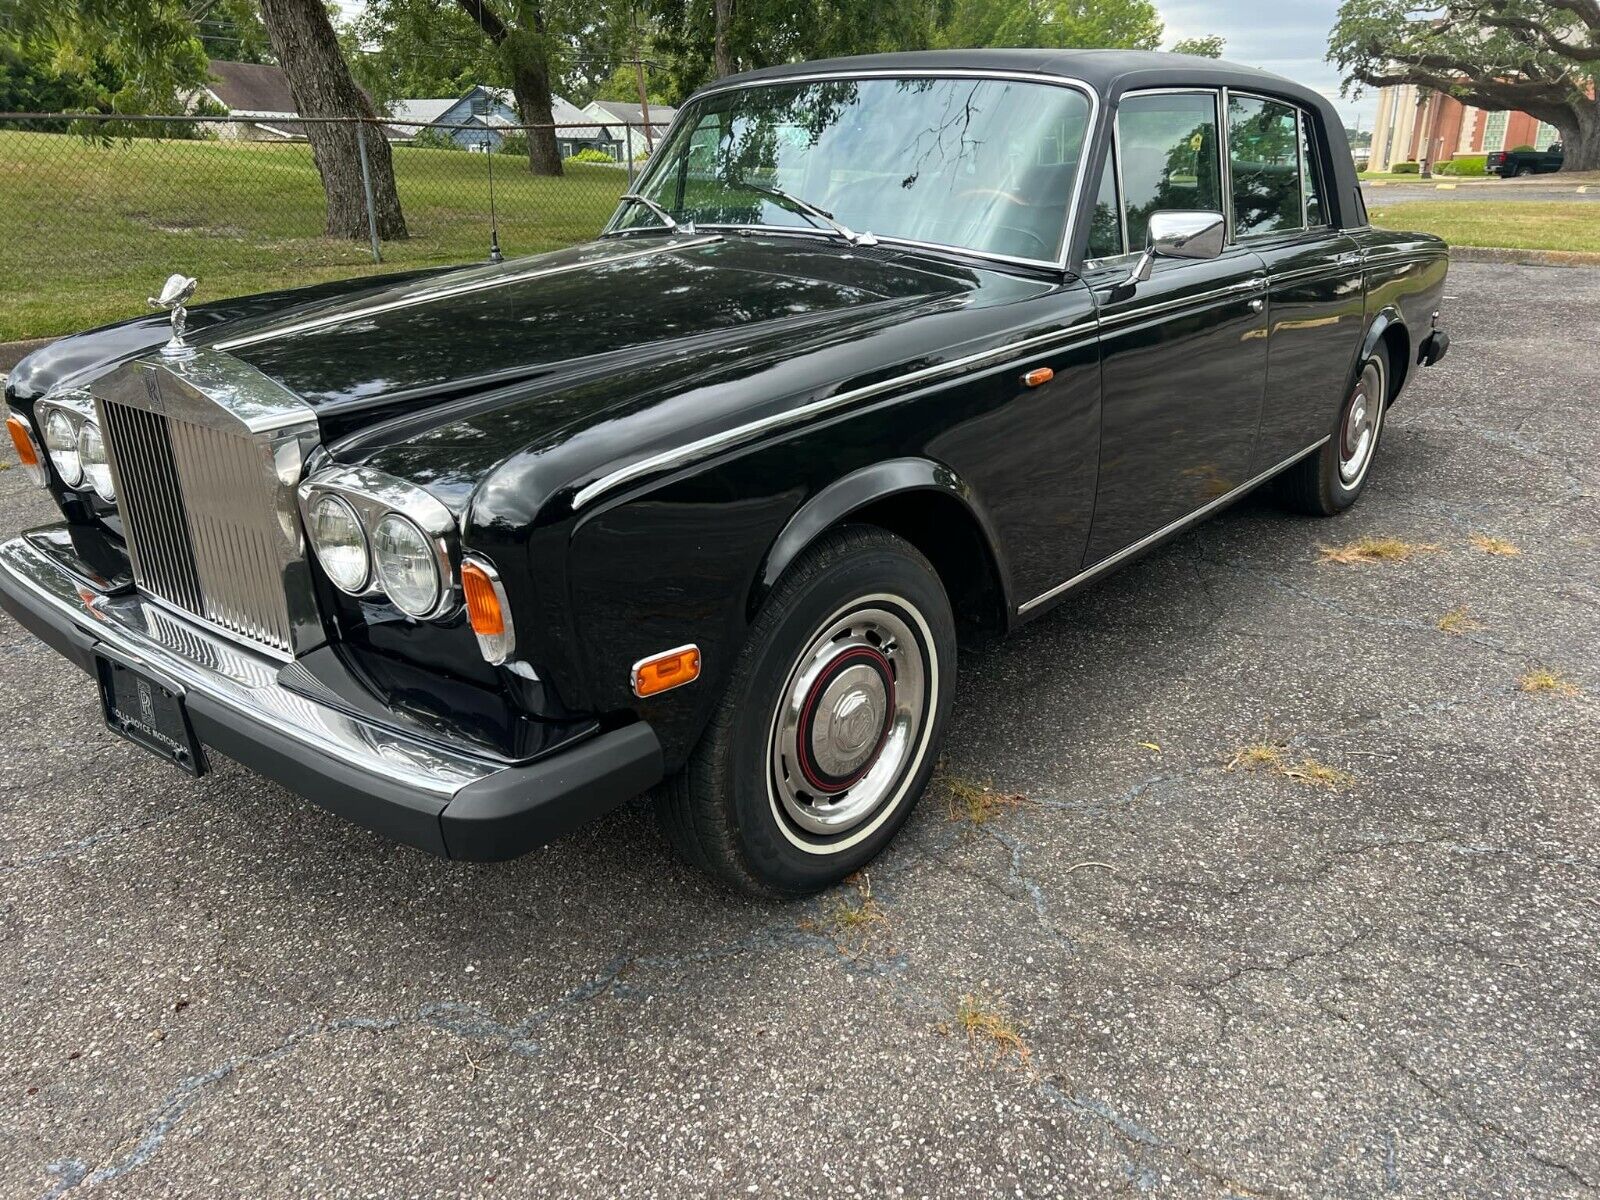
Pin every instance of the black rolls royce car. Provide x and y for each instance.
(881, 350)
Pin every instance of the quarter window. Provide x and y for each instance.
(1105, 223)
(1169, 156)
(1264, 160)
(1316, 211)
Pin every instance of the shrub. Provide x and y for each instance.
(513, 143)
(590, 155)
(1524, 149)
(1466, 164)
(1405, 168)
(434, 139)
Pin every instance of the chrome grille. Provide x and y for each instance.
(205, 459)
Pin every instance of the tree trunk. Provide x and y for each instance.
(1580, 138)
(530, 84)
(308, 50)
(721, 54)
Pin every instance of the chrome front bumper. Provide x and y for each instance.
(446, 801)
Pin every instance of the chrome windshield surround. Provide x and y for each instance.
(374, 495)
(205, 453)
(1091, 127)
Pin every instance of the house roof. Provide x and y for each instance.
(621, 110)
(251, 87)
(421, 112)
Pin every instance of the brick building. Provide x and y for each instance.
(1415, 123)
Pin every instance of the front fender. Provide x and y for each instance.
(854, 492)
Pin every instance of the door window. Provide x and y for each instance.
(1170, 159)
(1264, 161)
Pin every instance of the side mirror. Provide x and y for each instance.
(1176, 233)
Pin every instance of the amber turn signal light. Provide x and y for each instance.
(27, 449)
(1038, 376)
(663, 672)
(487, 610)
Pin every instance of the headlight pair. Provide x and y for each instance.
(76, 446)
(375, 534)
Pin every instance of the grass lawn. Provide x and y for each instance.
(1518, 224)
(87, 233)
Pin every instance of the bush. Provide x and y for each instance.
(513, 143)
(434, 139)
(590, 155)
(1466, 164)
(1524, 149)
(1406, 168)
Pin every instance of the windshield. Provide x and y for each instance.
(980, 164)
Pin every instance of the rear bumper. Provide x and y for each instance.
(446, 800)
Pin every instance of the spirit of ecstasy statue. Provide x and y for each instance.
(174, 292)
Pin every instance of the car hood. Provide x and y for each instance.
(608, 306)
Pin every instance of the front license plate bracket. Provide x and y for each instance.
(149, 713)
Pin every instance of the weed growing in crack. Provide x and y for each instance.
(1494, 545)
(1266, 756)
(853, 921)
(1374, 550)
(986, 1024)
(1458, 620)
(977, 804)
(1547, 681)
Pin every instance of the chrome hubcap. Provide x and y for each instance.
(1358, 435)
(848, 721)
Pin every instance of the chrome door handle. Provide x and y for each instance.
(1350, 260)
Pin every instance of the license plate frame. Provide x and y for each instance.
(150, 713)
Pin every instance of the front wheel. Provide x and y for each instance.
(1329, 481)
(830, 726)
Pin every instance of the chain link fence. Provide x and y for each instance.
(95, 211)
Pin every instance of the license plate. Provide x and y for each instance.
(149, 714)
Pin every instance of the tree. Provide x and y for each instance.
(231, 30)
(1539, 56)
(1209, 46)
(410, 49)
(1111, 24)
(307, 48)
(147, 52)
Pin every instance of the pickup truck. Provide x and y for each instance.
(1510, 163)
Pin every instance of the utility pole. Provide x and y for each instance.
(644, 94)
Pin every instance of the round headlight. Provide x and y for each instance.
(96, 466)
(406, 565)
(340, 543)
(61, 439)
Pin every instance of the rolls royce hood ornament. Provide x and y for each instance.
(174, 292)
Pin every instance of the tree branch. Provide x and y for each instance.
(488, 20)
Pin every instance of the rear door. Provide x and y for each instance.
(1184, 357)
(1314, 303)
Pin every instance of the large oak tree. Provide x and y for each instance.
(1539, 56)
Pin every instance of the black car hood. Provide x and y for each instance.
(611, 304)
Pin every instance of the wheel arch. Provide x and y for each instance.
(1389, 332)
(926, 503)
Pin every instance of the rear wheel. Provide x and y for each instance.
(830, 726)
(1328, 481)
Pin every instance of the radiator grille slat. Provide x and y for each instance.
(199, 511)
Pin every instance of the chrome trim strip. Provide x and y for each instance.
(500, 279)
(237, 679)
(753, 429)
(1255, 283)
(1106, 564)
(1069, 223)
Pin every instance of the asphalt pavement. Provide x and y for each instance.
(1360, 962)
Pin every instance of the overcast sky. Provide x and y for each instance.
(1287, 37)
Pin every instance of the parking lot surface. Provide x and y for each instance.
(1361, 962)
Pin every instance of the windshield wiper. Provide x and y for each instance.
(667, 222)
(806, 209)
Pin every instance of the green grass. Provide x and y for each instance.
(87, 233)
(1519, 225)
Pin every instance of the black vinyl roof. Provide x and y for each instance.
(1110, 73)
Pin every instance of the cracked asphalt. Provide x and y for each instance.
(1220, 982)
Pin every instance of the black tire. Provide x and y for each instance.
(735, 809)
(1322, 483)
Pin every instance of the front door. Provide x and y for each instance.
(1184, 357)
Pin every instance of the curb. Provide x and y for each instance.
(1525, 258)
